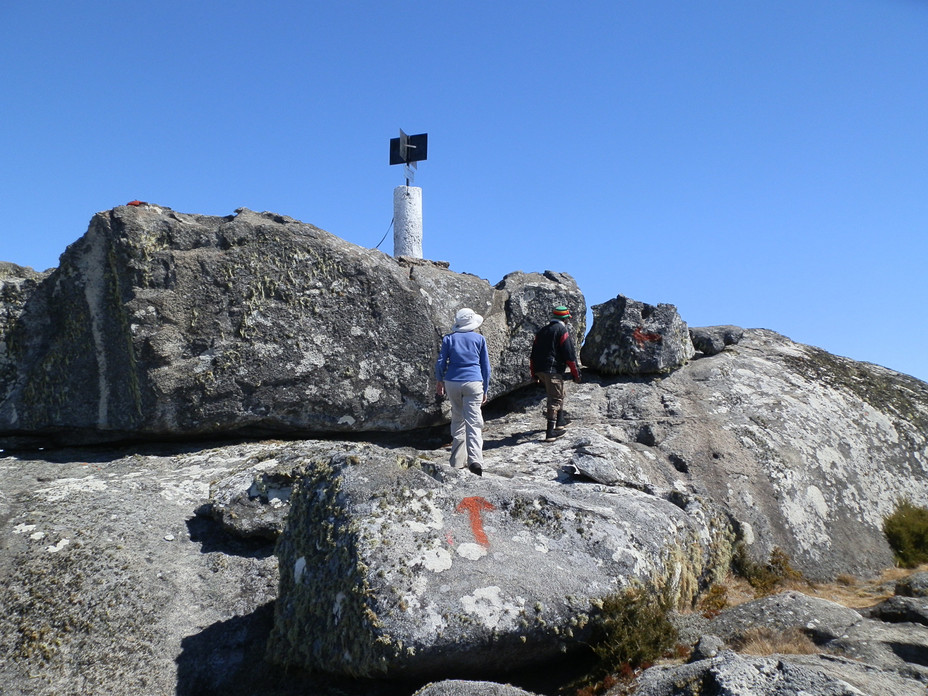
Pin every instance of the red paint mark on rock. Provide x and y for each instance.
(136, 203)
(473, 506)
(641, 337)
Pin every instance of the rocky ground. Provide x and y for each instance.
(132, 569)
(118, 580)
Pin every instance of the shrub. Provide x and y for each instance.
(765, 577)
(632, 630)
(906, 531)
(713, 601)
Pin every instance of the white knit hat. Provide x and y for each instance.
(467, 320)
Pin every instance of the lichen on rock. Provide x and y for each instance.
(163, 324)
(411, 571)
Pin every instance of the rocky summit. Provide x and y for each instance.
(159, 325)
(258, 505)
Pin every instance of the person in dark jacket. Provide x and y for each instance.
(553, 352)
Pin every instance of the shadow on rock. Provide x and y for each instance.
(211, 536)
(508, 441)
(228, 659)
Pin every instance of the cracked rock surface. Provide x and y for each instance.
(347, 548)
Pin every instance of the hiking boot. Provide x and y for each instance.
(550, 433)
(475, 469)
(562, 421)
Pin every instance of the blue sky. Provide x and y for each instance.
(759, 163)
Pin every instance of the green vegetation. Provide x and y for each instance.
(906, 531)
(632, 630)
(714, 601)
(629, 633)
(767, 577)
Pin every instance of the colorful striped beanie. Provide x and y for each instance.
(561, 313)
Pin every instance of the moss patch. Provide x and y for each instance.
(880, 391)
(325, 613)
(538, 513)
(78, 614)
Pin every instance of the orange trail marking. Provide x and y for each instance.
(473, 506)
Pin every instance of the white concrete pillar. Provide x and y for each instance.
(407, 221)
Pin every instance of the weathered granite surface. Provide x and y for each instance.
(858, 655)
(17, 285)
(399, 565)
(156, 562)
(151, 568)
(635, 338)
(457, 687)
(778, 675)
(163, 324)
(808, 451)
(915, 585)
(712, 340)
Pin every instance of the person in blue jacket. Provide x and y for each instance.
(463, 374)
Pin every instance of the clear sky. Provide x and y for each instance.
(759, 163)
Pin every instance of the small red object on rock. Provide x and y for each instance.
(640, 337)
(136, 203)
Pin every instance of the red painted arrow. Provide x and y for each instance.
(473, 506)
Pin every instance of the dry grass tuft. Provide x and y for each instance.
(776, 575)
(714, 601)
(847, 590)
(767, 641)
(859, 593)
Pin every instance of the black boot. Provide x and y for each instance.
(561, 420)
(550, 434)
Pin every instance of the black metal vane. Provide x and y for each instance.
(408, 150)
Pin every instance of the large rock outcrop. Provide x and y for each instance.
(635, 338)
(675, 439)
(150, 569)
(421, 570)
(112, 557)
(808, 451)
(161, 324)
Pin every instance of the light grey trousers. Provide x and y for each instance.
(466, 422)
